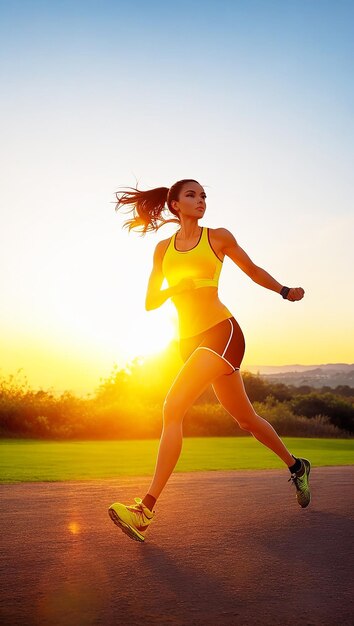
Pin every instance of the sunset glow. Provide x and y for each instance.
(86, 112)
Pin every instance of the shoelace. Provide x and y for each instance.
(297, 480)
(137, 508)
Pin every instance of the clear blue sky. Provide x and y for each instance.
(253, 99)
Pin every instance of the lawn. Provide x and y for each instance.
(23, 460)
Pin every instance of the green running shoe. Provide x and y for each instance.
(132, 519)
(301, 483)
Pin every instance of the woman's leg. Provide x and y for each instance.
(200, 370)
(231, 393)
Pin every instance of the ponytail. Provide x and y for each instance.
(147, 206)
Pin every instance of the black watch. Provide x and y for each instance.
(284, 292)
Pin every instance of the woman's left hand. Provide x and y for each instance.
(295, 293)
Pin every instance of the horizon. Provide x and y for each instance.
(253, 369)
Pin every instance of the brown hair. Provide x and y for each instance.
(147, 206)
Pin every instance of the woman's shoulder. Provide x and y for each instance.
(219, 232)
(221, 235)
(162, 246)
(218, 238)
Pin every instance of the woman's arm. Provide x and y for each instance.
(155, 296)
(232, 249)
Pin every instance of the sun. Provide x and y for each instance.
(150, 337)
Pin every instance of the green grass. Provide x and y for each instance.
(23, 460)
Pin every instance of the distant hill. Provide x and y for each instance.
(330, 374)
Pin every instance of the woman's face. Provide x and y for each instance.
(191, 200)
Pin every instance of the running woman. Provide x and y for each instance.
(211, 341)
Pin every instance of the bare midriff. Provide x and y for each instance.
(198, 310)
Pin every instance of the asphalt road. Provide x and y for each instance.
(225, 548)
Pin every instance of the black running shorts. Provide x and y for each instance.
(225, 339)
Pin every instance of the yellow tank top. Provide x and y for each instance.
(199, 308)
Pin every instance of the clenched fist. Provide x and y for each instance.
(295, 293)
(184, 285)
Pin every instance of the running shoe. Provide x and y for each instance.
(301, 483)
(132, 519)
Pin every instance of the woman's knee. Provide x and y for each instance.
(246, 421)
(172, 411)
(241, 424)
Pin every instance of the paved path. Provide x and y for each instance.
(222, 550)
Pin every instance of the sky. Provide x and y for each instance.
(252, 99)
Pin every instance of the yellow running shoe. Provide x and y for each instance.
(303, 494)
(132, 519)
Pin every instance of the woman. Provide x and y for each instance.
(212, 344)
